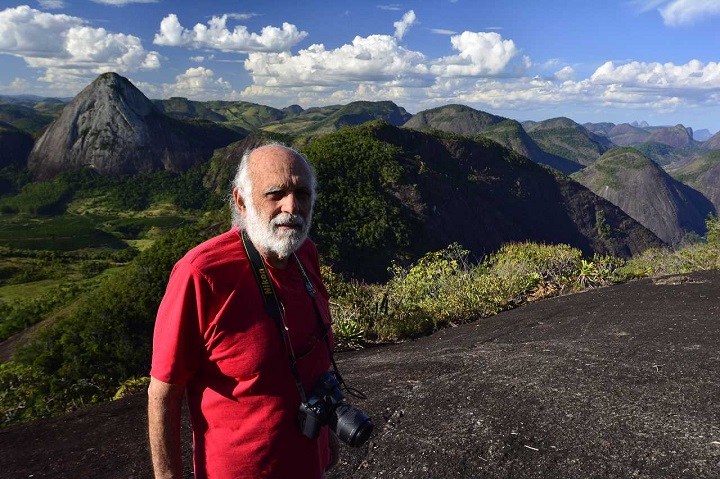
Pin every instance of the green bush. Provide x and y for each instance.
(351, 307)
(443, 288)
(132, 386)
(712, 224)
(529, 266)
(23, 393)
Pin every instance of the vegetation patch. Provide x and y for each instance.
(56, 233)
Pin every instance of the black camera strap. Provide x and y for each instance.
(311, 292)
(274, 309)
(272, 304)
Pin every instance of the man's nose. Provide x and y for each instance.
(290, 204)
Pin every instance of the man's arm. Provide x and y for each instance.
(164, 414)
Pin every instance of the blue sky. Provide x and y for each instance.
(612, 60)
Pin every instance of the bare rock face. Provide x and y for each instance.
(713, 143)
(644, 191)
(113, 128)
(677, 137)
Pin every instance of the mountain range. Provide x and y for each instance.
(662, 178)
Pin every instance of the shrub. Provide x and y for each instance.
(658, 261)
(352, 309)
(24, 393)
(347, 331)
(529, 266)
(132, 386)
(712, 224)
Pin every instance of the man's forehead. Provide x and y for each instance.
(277, 164)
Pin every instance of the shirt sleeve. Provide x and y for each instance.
(178, 338)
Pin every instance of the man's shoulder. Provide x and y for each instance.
(217, 253)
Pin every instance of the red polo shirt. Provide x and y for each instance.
(213, 334)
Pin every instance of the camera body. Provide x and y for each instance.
(326, 406)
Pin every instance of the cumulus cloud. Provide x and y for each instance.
(680, 12)
(377, 67)
(200, 84)
(403, 25)
(216, 35)
(375, 58)
(18, 85)
(565, 73)
(481, 54)
(686, 12)
(67, 49)
(660, 76)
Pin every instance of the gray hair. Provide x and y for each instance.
(243, 184)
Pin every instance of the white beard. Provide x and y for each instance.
(267, 236)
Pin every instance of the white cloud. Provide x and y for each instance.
(377, 67)
(403, 25)
(198, 59)
(200, 84)
(29, 32)
(122, 3)
(442, 31)
(375, 58)
(392, 7)
(481, 54)
(216, 35)
(693, 75)
(686, 12)
(51, 4)
(647, 5)
(565, 73)
(67, 49)
(17, 86)
(242, 16)
(680, 12)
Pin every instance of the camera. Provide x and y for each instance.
(326, 406)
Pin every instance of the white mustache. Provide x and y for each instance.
(287, 219)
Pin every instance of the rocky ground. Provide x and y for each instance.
(617, 382)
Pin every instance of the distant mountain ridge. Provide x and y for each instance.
(466, 121)
(114, 129)
(246, 117)
(565, 138)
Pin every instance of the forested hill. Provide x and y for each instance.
(404, 193)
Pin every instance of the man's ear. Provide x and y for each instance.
(239, 202)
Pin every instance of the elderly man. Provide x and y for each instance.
(215, 342)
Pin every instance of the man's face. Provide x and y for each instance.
(278, 216)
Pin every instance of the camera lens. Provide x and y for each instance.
(351, 426)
